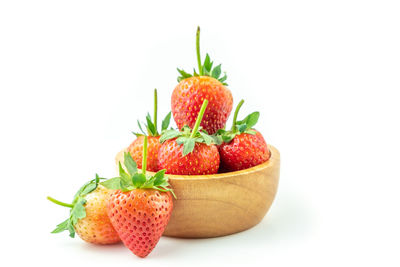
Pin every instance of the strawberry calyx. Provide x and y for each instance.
(77, 208)
(205, 69)
(151, 124)
(131, 178)
(189, 137)
(239, 127)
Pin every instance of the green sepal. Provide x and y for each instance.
(71, 229)
(216, 72)
(112, 183)
(205, 69)
(159, 178)
(183, 138)
(137, 134)
(250, 120)
(140, 127)
(169, 134)
(61, 227)
(165, 122)
(77, 211)
(188, 146)
(183, 74)
(138, 179)
(151, 128)
(250, 132)
(128, 181)
(129, 163)
(242, 126)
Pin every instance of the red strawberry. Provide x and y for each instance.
(136, 151)
(191, 91)
(88, 215)
(140, 217)
(243, 147)
(204, 159)
(189, 152)
(141, 207)
(136, 147)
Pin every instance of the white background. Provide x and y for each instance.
(75, 76)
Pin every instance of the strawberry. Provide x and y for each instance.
(189, 152)
(191, 91)
(136, 147)
(243, 146)
(141, 207)
(88, 215)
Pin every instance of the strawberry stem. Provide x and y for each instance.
(198, 51)
(234, 128)
(55, 201)
(199, 118)
(155, 110)
(144, 160)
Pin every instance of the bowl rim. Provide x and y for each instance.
(275, 156)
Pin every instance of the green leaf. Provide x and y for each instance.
(113, 183)
(250, 120)
(159, 177)
(137, 134)
(150, 126)
(207, 139)
(71, 229)
(183, 74)
(89, 188)
(169, 134)
(223, 79)
(138, 179)
(251, 132)
(221, 131)
(125, 178)
(206, 69)
(207, 63)
(241, 128)
(217, 139)
(78, 211)
(205, 72)
(130, 164)
(61, 227)
(181, 140)
(140, 127)
(188, 146)
(165, 122)
(216, 72)
(228, 137)
(186, 130)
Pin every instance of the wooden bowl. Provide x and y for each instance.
(224, 203)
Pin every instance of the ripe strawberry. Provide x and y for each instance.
(243, 147)
(141, 207)
(136, 147)
(204, 159)
(88, 215)
(189, 94)
(189, 152)
(136, 151)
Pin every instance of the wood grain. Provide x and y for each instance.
(222, 204)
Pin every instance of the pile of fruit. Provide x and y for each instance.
(135, 207)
